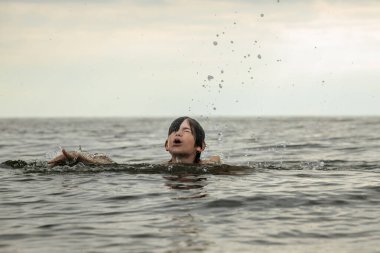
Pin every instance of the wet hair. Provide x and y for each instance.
(196, 130)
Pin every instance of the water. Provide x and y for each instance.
(290, 185)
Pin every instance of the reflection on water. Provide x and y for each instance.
(187, 229)
(191, 186)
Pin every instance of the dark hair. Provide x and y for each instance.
(196, 130)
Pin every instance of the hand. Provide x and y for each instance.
(215, 159)
(73, 157)
(66, 158)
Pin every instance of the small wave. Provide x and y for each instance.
(219, 169)
(224, 203)
(144, 168)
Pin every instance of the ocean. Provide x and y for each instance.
(287, 184)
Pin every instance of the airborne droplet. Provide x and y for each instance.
(259, 56)
(215, 43)
(209, 77)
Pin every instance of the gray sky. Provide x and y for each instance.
(172, 58)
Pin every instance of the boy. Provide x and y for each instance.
(185, 143)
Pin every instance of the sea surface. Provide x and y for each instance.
(305, 184)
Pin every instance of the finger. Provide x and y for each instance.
(56, 159)
(65, 153)
(70, 155)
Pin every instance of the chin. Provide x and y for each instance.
(179, 153)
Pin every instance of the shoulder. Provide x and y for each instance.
(212, 160)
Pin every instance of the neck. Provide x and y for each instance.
(182, 159)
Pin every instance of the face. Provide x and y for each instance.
(182, 142)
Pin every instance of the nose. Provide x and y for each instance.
(178, 133)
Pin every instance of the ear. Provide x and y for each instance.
(200, 149)
(166, 145)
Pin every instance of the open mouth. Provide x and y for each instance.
(177, 141)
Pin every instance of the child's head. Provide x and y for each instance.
(197, 136)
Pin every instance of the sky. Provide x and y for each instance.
(198, 58)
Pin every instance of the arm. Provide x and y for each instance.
(74, 157)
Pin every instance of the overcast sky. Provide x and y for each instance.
(173, 58)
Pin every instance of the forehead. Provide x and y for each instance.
(185, 124)
(179, 123)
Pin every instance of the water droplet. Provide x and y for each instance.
(217, 35)
(215, 43)
(232, 42)
(222, 81)
(222, 71)
(259, 56)
(251, 77)
(214, 108)
(234, 23)
(209, 77)
(262, 15)
(220, 85)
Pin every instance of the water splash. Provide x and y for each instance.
(54, 153)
